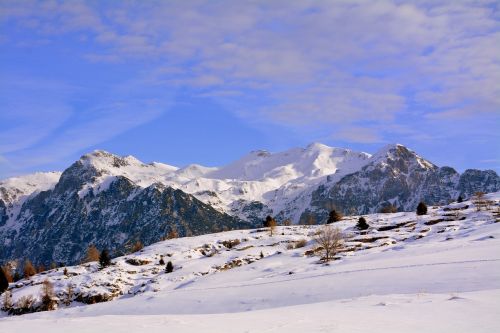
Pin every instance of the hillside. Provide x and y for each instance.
(404, 268)
(113, 202)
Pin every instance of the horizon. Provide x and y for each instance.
(207, 82)
(149, 162)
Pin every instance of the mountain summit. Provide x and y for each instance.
(113, 201)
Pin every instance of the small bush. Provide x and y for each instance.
(169, 268)
(161, 262)
(65, 272)
(25, 304)
(421, 208)
(231, 243)
(7, 301)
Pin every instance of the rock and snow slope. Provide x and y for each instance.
(120, 200)
(438, 272)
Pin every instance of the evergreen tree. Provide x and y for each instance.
(169, 268)
(104, 259)
(162, 262)
(362, 225)
(460, 199)
(4, 283)
(421, 208)
(334, 216)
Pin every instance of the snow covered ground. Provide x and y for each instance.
(433, 273)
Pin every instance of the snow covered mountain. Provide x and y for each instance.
(111, 201)
(240, 278)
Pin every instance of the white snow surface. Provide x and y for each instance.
(434, 273)
(280, 180)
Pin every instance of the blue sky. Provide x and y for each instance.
(205, 82)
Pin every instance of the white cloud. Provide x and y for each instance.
(303, 63)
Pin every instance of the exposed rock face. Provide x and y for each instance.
(113, 201)
(59, 224)
(399, 177)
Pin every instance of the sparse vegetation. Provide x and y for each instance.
(422, 208)
(231, 243)
(7, 301)
(330, 240)
(25, 304)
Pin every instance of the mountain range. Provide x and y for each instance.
(113, 202)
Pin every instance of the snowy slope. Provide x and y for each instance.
(280, 181)
(16, 190)
(406, 272)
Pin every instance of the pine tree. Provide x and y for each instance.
(362, 225)
(162, 262)
(460, 199)
(169, 268)
(334, 216)
(4, 283)
(421, 208)
(104, 259)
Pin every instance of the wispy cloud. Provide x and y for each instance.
(351, 65)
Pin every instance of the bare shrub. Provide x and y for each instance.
(330, 240)
(300, 243)
(25, 303)
(7, 301)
